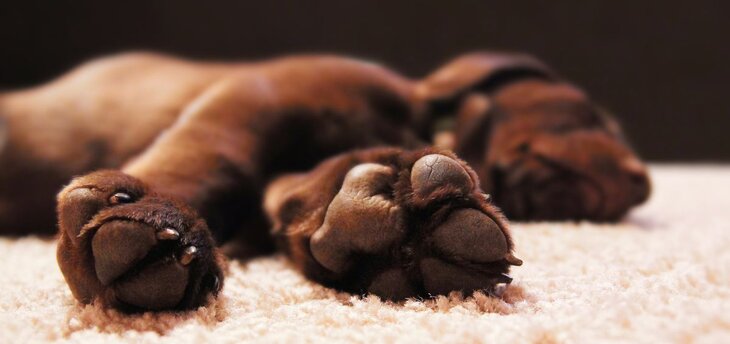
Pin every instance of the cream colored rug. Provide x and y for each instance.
(662, 275)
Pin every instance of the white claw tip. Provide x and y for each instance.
(188, 255)
(168, 234)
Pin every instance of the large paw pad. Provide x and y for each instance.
(362, 218)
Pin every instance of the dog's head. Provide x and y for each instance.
(541, 148)
(557, 156)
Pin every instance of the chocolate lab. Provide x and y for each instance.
(326, 156)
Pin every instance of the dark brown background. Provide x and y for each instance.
(662, 67)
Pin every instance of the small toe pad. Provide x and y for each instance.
(392, 284)
(160, 285)
(441, 278)
(435, 171)
(472, 235)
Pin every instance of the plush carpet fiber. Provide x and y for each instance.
(662, 275)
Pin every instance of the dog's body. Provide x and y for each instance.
(197, 144)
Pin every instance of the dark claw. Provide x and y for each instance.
(120, 198)
(168, 234)
(504, 278)
(216, 283)
(188, 255)
(512, 260)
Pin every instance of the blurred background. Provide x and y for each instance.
(661, 67)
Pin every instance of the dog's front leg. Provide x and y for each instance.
(138, 238)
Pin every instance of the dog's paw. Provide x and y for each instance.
(132, 249)
(415, 230)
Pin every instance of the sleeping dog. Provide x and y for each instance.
(370, 182)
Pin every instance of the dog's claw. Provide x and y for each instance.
(168, 234)
(216, 283)
(504, 278)
(188, 255)
(512, 260)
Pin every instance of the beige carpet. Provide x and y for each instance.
(663, 275)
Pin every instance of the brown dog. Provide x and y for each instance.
(196, 144)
